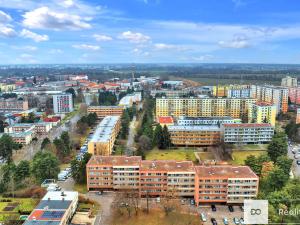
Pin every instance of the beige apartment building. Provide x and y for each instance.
(103, 111)
(13, 104)
(203, 107)
(103, 139)
(158, 178)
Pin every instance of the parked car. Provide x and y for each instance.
(298, 162)
(192, 202)
(236, 221)
(242, 221)
(158, 199)
(213, 221)
(53, 187)
(203, 217)
(225, 221)
(230, 207)
(242, 208)
(213, 208)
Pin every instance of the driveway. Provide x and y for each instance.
(130, 140)
(291, 155)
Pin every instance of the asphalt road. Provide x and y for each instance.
(291, 155)
(130, 140)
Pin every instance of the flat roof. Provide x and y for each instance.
(165, 119)
(225, 171)
(264, 104)
(22, 125)
(104, 129)
(115, 160)
(57, 195)
(244, 125)
(53, 204)
(167, 165)
(194, 128)
(105, 107)
(34, 222)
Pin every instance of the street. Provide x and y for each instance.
(291, 155)
(130, 141)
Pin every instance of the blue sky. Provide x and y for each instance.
(149, 31)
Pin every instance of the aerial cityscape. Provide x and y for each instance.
(149, 112)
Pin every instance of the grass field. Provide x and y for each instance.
(179, 154)
(156, 217)
(81, 188)
(24, 204)
(260, 147)
(240, 156)
(205, 156)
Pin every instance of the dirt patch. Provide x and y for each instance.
(10, 207)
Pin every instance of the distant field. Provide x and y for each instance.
(180, 154)
(239, 157)
(214, 81)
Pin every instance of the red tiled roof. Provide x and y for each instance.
(165, 119)
(247, 125)
(53, 119)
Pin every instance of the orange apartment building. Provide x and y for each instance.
(103, 111)
(206, 184)
(204, 135)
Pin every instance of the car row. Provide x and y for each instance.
(64, 174)
(236, 221)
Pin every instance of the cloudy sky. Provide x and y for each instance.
(141, 31)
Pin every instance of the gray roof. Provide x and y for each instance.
(54, 204)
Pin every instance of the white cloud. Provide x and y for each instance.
(4, 17)
(238, 42)
(26, 58)
(56, 51)
(134, 37)
(202, 58)
(67, 3)
(34, 36)
(101, 37)
(25, 48)
(7, 31)
(45, 18)
(87, 47)
(163, 46)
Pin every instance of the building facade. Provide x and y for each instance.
(203, 107)
(13, 104)
(103, 111)
(195, 135)
(232, 91)
(195, 121)
(273, 95)
(104, 137)
(247, 133)
(298, 116)
(289, 81)
(262, 112)
(160, 178)
(62, 103)
(294, 95)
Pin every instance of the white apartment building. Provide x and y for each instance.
(194, 121)
(247, 133)
(289, 81)
(62, 103)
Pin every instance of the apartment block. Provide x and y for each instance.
(130, 99)
(158, 178)
(262, 112)
(298, 116)
(195, 121)
(289, 81)
(203, 107)
(103, 139)
(62, 103)
(273, 95)
(13, 104)
(225, 184)
(232, 91)
(7, 87)
(171, 93)
(195, 135)
(103, 111)
(294, 95)
(247, 133)
(41, 128)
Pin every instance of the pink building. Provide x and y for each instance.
(294, 95)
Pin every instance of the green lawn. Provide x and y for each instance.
(81, 188)
(25, 204)
(240, 156)
(179, 154)
(205, 156)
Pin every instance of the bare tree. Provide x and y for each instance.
(170, 201)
